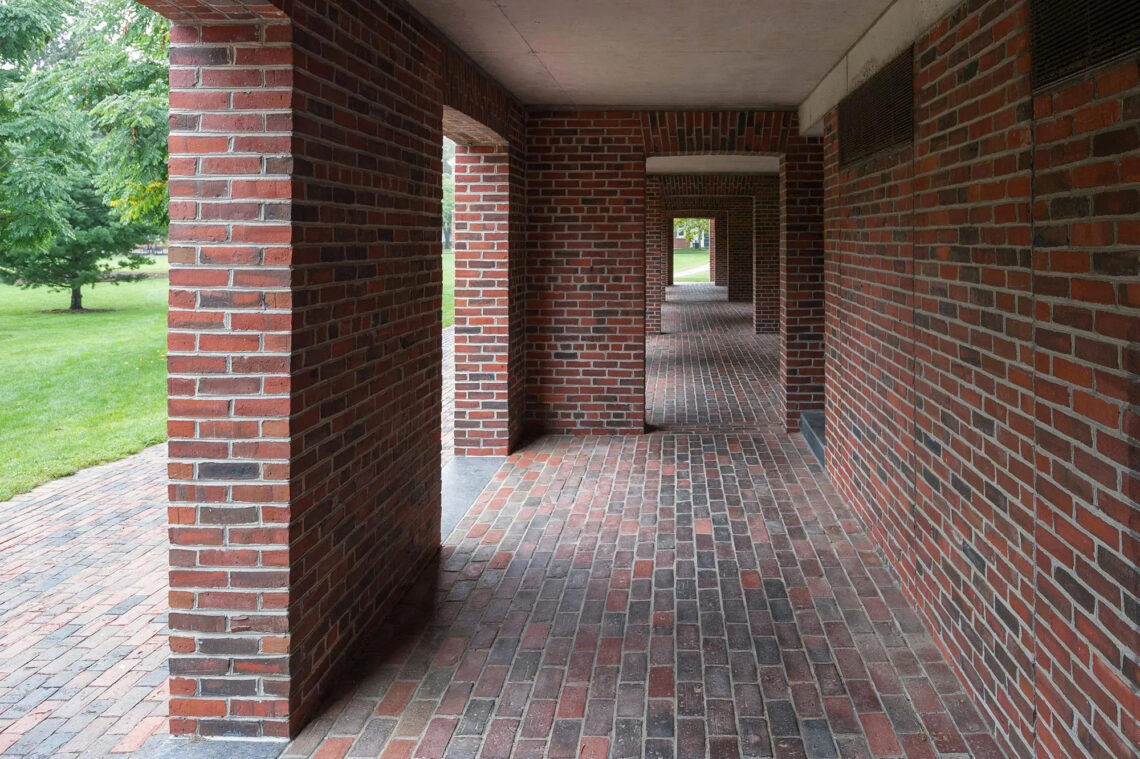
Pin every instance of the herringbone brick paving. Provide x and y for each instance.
(682, 594)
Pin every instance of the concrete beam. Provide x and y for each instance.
(898, 26)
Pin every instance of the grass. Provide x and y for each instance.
(689, 258)
(79, 389)
(448, 288)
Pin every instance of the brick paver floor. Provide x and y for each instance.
(83, 612)
(83, 605)
(709, 370)
(685, 593)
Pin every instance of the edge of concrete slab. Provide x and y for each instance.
(171, 747)
(464, 478)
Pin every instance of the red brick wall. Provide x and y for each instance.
(741, 248)
(870, 343)
(230, 370)
(482, 243)
(801, 279)
(1086, 283)
(586, 272)
(766, 259)
(717, 265)
(981, 317)
(658, 254)
(366, 363)
(304, 345)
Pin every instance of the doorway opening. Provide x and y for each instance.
(692, 250)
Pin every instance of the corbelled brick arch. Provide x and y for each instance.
(304, 348)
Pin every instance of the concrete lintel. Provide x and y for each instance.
(899, 25)
(712, 164)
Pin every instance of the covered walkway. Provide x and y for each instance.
(700, 591)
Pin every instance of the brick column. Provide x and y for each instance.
(766, 267)
(230, 378)
(658, 261)
(719, 267)
(801, 279)
(482, 300)
(712, 252)
(740, 249)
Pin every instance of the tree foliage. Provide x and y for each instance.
(87, 255)
(696, 231)
(448, 191)
(83, 127)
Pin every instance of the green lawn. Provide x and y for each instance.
(688, 258)
(448, 288)
(82, 389)
(79, 389)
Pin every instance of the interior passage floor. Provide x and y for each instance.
(697, 593)
(709, 370)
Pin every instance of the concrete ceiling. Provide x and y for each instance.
(656, 53)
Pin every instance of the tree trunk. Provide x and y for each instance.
(76, 298)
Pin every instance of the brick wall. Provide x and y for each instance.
(766, 259)
(1086, 285)
(366, 288)
(586, 272)
(304, 343)
(717, 265)
(870, 343)
(980, 322)
(230, 377)
(801, 279)
(751, 237)
(658, 254)
(482, 244)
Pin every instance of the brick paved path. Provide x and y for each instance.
(710, 370)
(83, 564)
(683, 594)
(83, 612)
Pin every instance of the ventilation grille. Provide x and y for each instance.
(1070, 36)
(879, 114)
